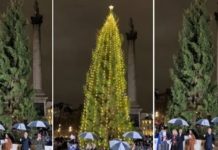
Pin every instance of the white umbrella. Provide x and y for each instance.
(203, 122)
(19, 126)
(88, 136)
(119, 145)
(178, 122)
(2, 127)
(215, 120)
(112, 142)
(132, 135)
(37, 124)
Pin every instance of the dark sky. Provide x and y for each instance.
(76, 23)
(46, 51)
(169, 14)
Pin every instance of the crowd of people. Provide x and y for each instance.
(39, 141)
(176, 139)
(72, 143)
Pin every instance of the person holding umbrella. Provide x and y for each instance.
(209, 139)
(25, 142)
(174, 140)
(7, 143)
(181, 139)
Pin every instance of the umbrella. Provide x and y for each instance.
(132, 135)
(215, 120)
(203, 122)
(19, 126)
(37, 124)
(178, 122)
(2, 128)
(119, 145)
(46, 123)
(114, 141)
(88, 136)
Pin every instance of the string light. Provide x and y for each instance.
(106, 87)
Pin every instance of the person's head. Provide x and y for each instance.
(162, 128)
(190, 131)
(175, 132)
(25, 134)
(165, 128)
(180, 131)
(39, 135)
(72, 137)
(209, 130)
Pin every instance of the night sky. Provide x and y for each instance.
(76, 24)
(169, 14)
(46, 49)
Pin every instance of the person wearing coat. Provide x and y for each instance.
(191, 141)
(25, 142)
(164, 136)
(39, 142)
(209, 139)
(181, 139)
(174, 140)
(7, 143)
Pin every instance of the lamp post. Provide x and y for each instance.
(156, 114)
(70, 129)
(59, 129)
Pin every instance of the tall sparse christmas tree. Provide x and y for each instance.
(106, 105)
(193, 93)
(15, 62)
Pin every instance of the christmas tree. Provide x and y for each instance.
(106, 106)
(15, 62)
(194, 95)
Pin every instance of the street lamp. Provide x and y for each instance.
(156, 114)
(70, 129)
(59, 130)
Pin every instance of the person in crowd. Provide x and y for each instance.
(48, 140)
(7, 143)
(39, 142)
(89, 146)
(209, 139)
(25, 142)
(191, 140)
(174, 140)
(164, 136)
(157, 136)
(180, 139)
(133, 146)
(72, 145)
(72, 137)
(94, 146)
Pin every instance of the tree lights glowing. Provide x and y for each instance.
(106, 105)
